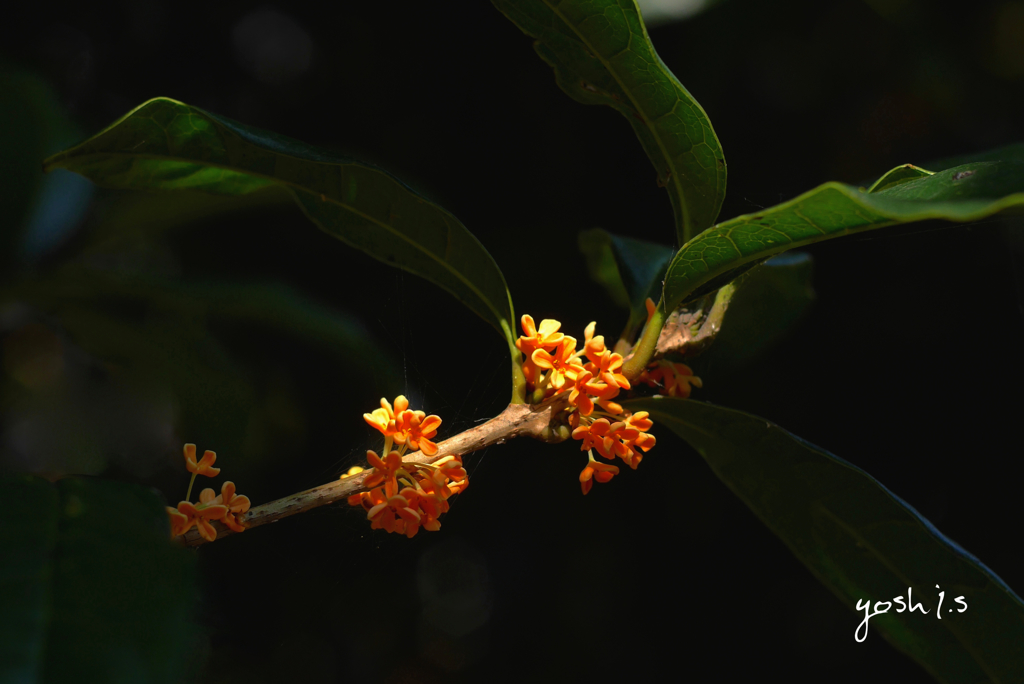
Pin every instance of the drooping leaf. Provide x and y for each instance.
(962, 193)
(630, 270)
(167, 145)
(601, 54)
(861, 541)
(93, 589)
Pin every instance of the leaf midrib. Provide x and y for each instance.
(648, 122)
(293, 185)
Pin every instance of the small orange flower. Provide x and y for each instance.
(236, 504)
(547, 337)
(607, 368)
(562, 364)
(384, 471)
(593, 347)
(200, 516)
(595, 470)
(415, 428)
(179, 522)
(205, 466)
(675, 378)
(383, 419)
(595, 436)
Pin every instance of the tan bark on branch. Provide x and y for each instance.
(518, 420)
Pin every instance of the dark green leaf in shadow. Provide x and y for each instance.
(630, 270)
(93, 589)
(963, 193)
(266, 305)
(768, 302)
(36, 211)
(168, 145)
(861, 541)
(601, 54)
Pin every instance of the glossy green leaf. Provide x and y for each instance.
(601, 54)
(630, 270)
(93, 589)
(168, 145)
(862, 541)
(963, 193)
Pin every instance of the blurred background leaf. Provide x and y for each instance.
(94, 590)
(36, 211)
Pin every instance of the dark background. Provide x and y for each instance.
(908, 364)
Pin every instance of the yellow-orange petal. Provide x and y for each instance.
(401, 404)
(190, 457)
(393, 461)
(233, 523)
(548, 327)
(239, 504)
(206, 496)
(214, 512)
(529, 328)
(205, 466)
(542, 359)
(206, 530)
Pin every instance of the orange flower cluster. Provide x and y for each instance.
(675, 379)
(413, 495)
(406, 428)
(593, 378)
(228, 507)
(405, 497)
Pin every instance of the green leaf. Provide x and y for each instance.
(267, 305)
(768, 302)
(35, 210)
(630, 270)
(861, 541)
(167, 145)
(94, 590)
(962, 193)
(601, 54)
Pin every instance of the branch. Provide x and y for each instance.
(539, 421)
